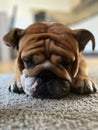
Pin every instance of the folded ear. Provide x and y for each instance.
(12, 38)
(83, 36)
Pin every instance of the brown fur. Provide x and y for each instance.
(52, 42)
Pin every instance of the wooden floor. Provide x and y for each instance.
(8, 67)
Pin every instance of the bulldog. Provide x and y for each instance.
(50, 62)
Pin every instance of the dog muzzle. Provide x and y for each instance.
(45, 85)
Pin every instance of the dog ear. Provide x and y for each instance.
(12, 38)
(83, 36)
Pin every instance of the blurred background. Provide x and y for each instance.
(21, 13)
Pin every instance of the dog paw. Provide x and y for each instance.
(15, 87)
(84, 86)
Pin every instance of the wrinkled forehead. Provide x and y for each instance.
(40, 31)
(48, 38)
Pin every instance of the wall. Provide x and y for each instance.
(25, 14)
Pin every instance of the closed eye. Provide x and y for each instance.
(67, 62)
(28, 63)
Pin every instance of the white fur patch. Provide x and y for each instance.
(46, 65)
(28, 83)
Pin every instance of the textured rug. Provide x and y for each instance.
(75, 112)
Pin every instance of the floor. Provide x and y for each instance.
(6, 66)
(74, 112)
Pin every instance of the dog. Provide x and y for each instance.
(50, 63)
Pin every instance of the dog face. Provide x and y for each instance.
(49, 55)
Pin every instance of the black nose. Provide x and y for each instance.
(46, 75)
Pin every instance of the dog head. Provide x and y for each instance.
(49, 54)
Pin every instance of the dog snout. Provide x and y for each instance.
(51, 86)
(58, 89)
(46, 75)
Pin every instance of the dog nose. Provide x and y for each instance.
(46, 74)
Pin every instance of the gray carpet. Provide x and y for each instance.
(75, 112)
